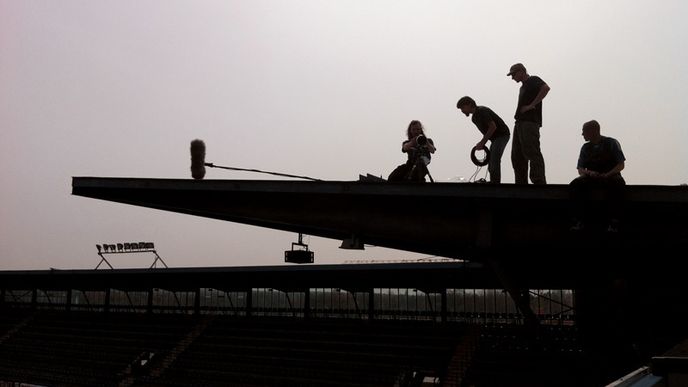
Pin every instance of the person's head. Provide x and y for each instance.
(466, 105)
(518, 72)
(415, 128)
(591, 130)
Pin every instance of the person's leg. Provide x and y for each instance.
(530, 144)
(418, 172)
(497, 146)
(615, 199)
(399, 173)
(578, 194)
(518, 160)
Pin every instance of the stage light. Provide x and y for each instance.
(300, 254)
(99, 248)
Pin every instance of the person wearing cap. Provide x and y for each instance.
(525, 148)
(493, 129)
(600, 163)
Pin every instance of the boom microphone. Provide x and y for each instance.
(197, 159)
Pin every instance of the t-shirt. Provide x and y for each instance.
(529, 90)
(601, 157)
(483, 116)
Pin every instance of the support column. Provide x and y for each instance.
(197, 302)
(307, 303)
(371, 304)
(149, 307)
(249, 302)
(68, 301)
(106, 307)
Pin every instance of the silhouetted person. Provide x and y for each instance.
(493, 129)
(600, 164)
(526, 146)
(419, 150)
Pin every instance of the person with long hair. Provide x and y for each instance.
(419, 149)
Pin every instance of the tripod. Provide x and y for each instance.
(419, 167)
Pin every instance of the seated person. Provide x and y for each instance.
(419, 150)
(600, 164)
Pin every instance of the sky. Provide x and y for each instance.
(307, 87)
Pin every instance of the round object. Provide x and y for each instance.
(478, 162)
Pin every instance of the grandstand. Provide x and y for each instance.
(530, 304)
(374, 325)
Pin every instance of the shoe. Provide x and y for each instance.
(577, 226)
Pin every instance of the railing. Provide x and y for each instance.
(480, 306)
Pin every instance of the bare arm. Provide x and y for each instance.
(544, 89)
(617, 168)
(587, 172)
(408, 145)
(491, 128)
(431, 147)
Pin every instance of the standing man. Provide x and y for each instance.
(493, 129)
(526, 146)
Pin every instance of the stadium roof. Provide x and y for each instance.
(524, 224)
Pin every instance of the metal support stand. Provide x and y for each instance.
(157, 258)
(112, 250)
(103, 260)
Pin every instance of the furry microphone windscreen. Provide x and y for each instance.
(197, 159)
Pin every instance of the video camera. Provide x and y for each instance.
(421, 140)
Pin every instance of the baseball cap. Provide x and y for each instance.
(515, 68)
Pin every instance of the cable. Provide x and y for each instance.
(483, 162)
(474, 175)
(211, 165)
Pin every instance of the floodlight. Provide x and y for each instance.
(129, 247)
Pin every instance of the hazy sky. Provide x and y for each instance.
(318, 88)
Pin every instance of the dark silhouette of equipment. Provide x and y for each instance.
(128, 248)
(421, 140)
(300, 254)
(478, 162)
(420, 160)
(198, 164)
(417, 167)
(197, 159)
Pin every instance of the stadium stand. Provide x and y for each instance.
(404, 325)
